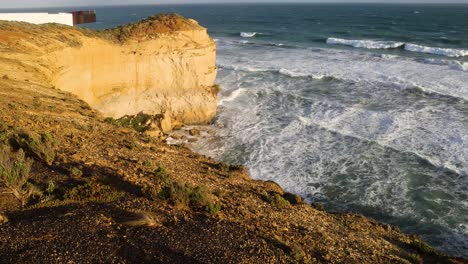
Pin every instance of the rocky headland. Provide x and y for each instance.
(83, 179)
(164, 64)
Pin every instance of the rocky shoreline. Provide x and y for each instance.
(78, 186)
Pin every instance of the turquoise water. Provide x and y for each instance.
(363, 108)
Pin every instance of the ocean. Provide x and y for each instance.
(360, 107)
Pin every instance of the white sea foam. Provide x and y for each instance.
(447, 77)
(282, 71)
(241, 68)
(275, 44)
(244, 42)
(378, 44)
(295, 73)
(389, 56)
(460, 66)
(452, 64)
(248, 34)
(368, 44)
(436, 51)
(232, 96)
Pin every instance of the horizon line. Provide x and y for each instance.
(238, 3)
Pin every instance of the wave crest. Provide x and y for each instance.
(248, 34)
(436, 51)
(378, 44)
(367, 44)
(295, 74)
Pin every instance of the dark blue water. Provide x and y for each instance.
(436, 25)
(363, 108)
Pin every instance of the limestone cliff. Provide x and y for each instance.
(164, 64)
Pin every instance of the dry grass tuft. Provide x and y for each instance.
(142, 219)
(3, 219)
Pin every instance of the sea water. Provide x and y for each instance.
(361, 107)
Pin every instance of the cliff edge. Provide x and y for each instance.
(164, 64)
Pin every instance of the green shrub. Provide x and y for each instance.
(39, 146)
(112, 121)
(177, 194)
(161, 171)
(151, 166)
(293, 198)
(414, 258)
(199, 198)
(14, 168)
(92, 192)
(422, 247)
(50, 189)
(318, 206)
(4, 134)
(47, 138)
(277, 200)
(138, 122)
(14, 174)
(76, 172)
(224, 167)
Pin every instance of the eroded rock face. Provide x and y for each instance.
(165, 64)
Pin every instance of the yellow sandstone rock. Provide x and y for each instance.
(165, 64)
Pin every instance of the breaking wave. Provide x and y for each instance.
(378, 44)
(436, 51)
(282, 71)
(367, 44)
(295, 73)
(248, 34)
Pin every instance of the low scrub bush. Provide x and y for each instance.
(75, 172)
(414, 259)
(198, 198)
(277, 200)
(40, 146)
(422, 247)
(201, 197)
(14, 174)
(92, 192)
(138, 122)
(4, 134)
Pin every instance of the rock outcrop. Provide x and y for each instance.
(162, 65)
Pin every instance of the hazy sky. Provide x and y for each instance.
(42, 3)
